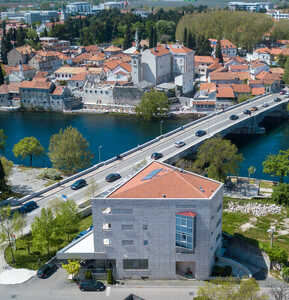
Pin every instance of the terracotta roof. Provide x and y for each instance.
(4, 89)
(243, 75)
(36, 84)
(58, 90)
(215, 66)
(70, 70)
(9, 69)
(277, 70)
(225, 92)
(276, 51)
(285, 51)
(256, 91)
(78, 77)
(223, 76)
(168, 182)
(159, 51)
(179, 49)
(204, 102)
(208, 86)
(241, 88)
(112, 48)
(95, 70)
(126, 66)
(257, 64)
(227, 44)
(238, 67)
(13, 87)
(92, 48)
(261, 75)
(284, 42)
(205, 59)
(253, 82)
(40, 74)
(25, 50)
(263, 50)
(187, 214)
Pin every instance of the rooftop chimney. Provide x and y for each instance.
(164, 195)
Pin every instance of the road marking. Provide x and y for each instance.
(108, 291)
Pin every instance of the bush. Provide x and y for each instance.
(51, 174)
(88, 274)
(221, 271)
(280, 194)
(285, 274)
(109, 277)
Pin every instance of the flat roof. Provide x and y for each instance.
(159, 180)
(82, 245)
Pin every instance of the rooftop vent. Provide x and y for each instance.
(182, 170)
(164, 195)
(201, 189)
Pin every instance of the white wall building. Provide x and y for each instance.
(79, 8)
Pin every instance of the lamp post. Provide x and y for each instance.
(99, 149)
(271, 231)
(161, 126)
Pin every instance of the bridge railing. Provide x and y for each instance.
(139, 147)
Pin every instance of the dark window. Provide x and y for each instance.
(145, 242)
(127, 242)
(135, 264)
(126, 227)
(145, 227)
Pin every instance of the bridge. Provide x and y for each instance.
(134, 159)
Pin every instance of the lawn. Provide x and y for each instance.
(233, 221)
(33, 259)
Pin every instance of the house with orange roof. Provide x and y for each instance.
(9, 95)
(54, 44)
(162, 223)
(202, 63)
(228, 48)
(258, 91)
(20, 55)
(66, 72)
(111, 50)
(18, 73)
(46, 61)
(224, 77)
(258, 67)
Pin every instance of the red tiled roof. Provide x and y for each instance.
(256, 91)
(187, 214)
(204, 102)
(241, 88)
(277, 70)
(78, 77)
(36, 84)
(112, 48)
(205, 59)
(223, 76)
(167, 183)
(159, 51)
(58, 90)
(225, 92)
(179, 49)
(238, 67)
(208, 86)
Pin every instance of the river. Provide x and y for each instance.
(117, 134)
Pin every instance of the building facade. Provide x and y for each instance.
(81, 8)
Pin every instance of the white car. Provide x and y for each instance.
(180, 144)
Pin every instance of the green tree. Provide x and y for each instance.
(3, 175)
(251, 171)
(185, 37)
(280, 194)
(69, 151)
(286, 72)
(218, 53)
(277, 255)
(42, 229)
(217, 158)
(127, 38)
(151, 37)
(285, 274)
(277, 164)
(191, 43)
(281, 60)
(1, 75)
(203, 46)
(11, 224)
(28, 147)
(72, 267)
(153, 104)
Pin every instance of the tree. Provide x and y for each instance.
(127, 38)
(286, 72)
(280, 194)
(278, 256)
(251, 171)
(153, 104)
(217, 158)
(69, 151)
(28, 147)
(285, 274)
(151, 37)
(72, 267)
(277, 164)
(42, 229)
(191, 43)
(66, 218)
(3, 175)
(218, 53)
(1, 75)
(185, 38)
(203, 46)
(11, 224)
(281, 60)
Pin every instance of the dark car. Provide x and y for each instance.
(156, 155)
(91, 285)
(200, 133)
(118, 156)
(282, 92)
(46, 270)
(253, 108)
(277, 99)
(265, 105)
(27, 207)
(180, 144)
(78, 184)
(112, 177)
(233, 117)
(246, 112)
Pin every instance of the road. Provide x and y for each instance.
(131, 163)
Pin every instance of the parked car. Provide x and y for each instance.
(27, 207)
(234, 117)
(91, 285)
(180, 144)
(156, 155)
(46, 270)
(112, 177)
(253, 108)
(200, 133)
(78, 184)
(265, 105)
(282, 92)
(246, 112)
(277, 99)
(118, 156)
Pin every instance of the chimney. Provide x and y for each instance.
(164, 195)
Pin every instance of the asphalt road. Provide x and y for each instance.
(128, 165)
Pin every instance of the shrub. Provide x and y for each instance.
(51, 174)
(221, 271)
(285, 274)
(88, 274)
(109, 277)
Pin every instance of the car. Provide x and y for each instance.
(282, 92)
(246, 112)
(200, 133)
(277, 99)
(78, 184)
(27, 207)
(180, 144)
(265, 105)
(46, 270)
(112, 177)
(233, 117)
(156, 155)
(91, 285)
(118, 156)
(253, 108)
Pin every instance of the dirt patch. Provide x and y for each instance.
(246, 226)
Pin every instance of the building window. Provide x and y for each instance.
(126, 226)
(145, 227)
(145, 242)
(184, 231)
(121, 211)
(135, 264)
(106, 211)
(127, 242)
(106, 226)
(107, 242)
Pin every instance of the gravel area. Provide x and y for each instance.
(25, 180)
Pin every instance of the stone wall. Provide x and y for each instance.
(127, 95)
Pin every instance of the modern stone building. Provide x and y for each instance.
(162, 223)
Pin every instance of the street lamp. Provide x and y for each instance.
(99, 148)
(271, 231)
(161, 126)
